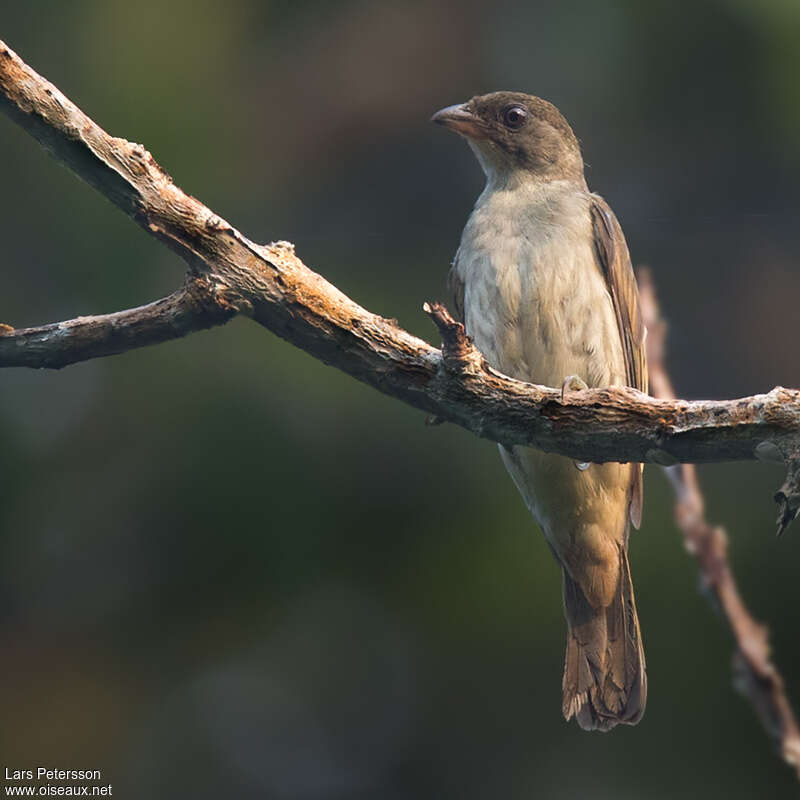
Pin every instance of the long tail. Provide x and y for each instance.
(605, 682)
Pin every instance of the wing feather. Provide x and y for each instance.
(615, 264)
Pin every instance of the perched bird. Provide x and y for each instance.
(543, 283)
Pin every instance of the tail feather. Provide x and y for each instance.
(605, 682)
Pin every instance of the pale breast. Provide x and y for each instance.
(535, 301)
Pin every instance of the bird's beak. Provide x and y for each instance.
(460, 119)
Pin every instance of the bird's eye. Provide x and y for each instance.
(514, 117)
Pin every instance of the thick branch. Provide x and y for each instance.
(195, 306)
(272, 285)
(756, 675)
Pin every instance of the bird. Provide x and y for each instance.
(543, 283)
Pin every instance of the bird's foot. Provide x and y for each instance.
(573, 383)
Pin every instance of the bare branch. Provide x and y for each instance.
(195, 306)
(273, 286)
(755, 675)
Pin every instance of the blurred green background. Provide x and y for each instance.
(227, 570)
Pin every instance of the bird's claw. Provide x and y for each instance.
(572, 383)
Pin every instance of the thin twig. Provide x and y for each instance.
(755, 674)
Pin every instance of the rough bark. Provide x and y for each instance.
(272, 285)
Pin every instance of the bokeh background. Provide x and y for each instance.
(227, 570)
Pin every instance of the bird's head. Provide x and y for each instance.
(516, 134)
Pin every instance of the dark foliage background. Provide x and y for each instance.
(227, 570)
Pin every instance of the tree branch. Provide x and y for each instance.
(272, 285)
(755, 675)
(195, 306)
